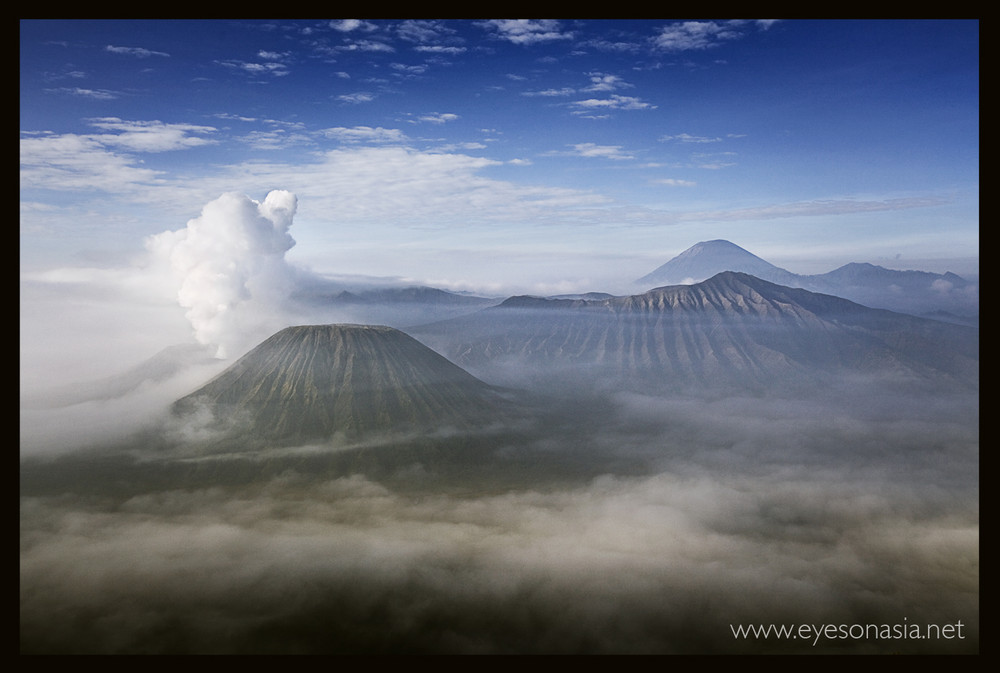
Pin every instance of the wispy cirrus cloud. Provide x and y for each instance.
(599, 82)
(359, 134)
(406, 69)
(273, 68)
(272, 55)
(366, 45)
(105, 162)
(357, 97)
(80, 163)
(138, 52)
(564, 91)
(593, 150)
(151, 136)
(613, 102)
(96, 94)
(715, 160)
(688, 138)
(674, 182)
(817, 207)
(440, 49)
(275, 139)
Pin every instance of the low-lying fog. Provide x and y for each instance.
(657, 525)
(610, 523)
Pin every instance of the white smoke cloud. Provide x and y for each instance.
(230, 266)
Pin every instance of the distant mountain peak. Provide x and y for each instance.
(715, 245)
(914, 292)
(707, 258)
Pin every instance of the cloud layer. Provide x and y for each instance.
(741, 511)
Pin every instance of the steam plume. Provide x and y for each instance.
(230, 265)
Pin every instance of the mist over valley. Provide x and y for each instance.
(585, 474)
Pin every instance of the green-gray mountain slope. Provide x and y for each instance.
(310, 383)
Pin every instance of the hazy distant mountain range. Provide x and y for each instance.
(735, 330)
(731, 333)
(396, 306)
(731, 330)
(941, 296)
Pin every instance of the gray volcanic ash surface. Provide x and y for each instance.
(307, 383)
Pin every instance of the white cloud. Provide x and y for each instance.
(601, 151)
(701, 35)
(604, 82)
(438, 118)
(673, 182)
(615, 102)
(139, 52)
(97, 94)
(104, 161)
(415, 30)
(715, 160)
(440, 49)
(357, 97)
(688, 138)
(528, 31)
(269, 68)
(819, 207)
(367, 45)
(275, 139)
(394, 186)
(695, 35)
(348, 25)
(409, 69)
(565, 91)
(151, 136)
(365, 134)
(79, 163)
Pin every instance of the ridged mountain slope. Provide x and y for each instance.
(731, 330)
(946, 296)
(308, 383)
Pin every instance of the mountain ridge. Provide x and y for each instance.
(731, 330)
(915, 292)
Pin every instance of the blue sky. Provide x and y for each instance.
(507, 156)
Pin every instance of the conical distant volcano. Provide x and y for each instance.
(309, 383)
(708, 258)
